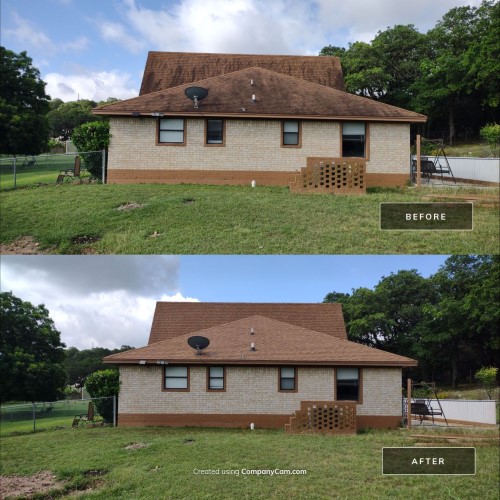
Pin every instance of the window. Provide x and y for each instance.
(216, 378)
(347, 384)
(288, 380)
(171, 131)
(353, 140)
(177, 378)
(291, 133)
(215, 132)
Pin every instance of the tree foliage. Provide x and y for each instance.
(448, 322)
(92, 136)
(64, 117)
(451, 73)
(487, 376)
(104, 384)
(31, 352)
(23, 105)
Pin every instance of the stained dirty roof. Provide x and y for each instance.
(275, 342)
(170, 69)
(257, 92)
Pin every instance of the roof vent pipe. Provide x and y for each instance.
(254, 99)
(252, 347)
(251, 331)
(251, 83)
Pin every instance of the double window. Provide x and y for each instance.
(348, 384)
(354, 140)
(171, 131)
(288, 379)
(291, 133)
(176, 378)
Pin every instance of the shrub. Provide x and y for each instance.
(487, 376)
(491, 134)
(92, 136)
(103, 384)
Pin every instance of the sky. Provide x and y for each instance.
(95, 49)
(109, 301)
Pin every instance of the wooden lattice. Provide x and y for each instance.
(332, 175)
(332, 417)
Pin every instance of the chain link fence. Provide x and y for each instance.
(22, 171)
(31, 417)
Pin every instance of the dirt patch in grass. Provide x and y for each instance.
(24, 245)
(85, 239)
(129, 206)
(27, 486)
(136, 446)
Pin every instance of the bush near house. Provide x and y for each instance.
(103, 384)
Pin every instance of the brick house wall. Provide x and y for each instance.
(252, 151)
(251, 395)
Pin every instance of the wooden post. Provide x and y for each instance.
(408, 399)
(418, 161)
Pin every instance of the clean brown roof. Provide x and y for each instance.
(275, 342)
(169, 69)
(276, 96)
(172, 319)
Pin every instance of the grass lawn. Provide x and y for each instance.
(199, 219)
(337, 467)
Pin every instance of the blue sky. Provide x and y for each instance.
(95, 49)
(109, 301)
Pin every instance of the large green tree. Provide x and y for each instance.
(64, 117)
(24, 105)
(31, 352)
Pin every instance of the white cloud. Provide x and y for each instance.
(116, 33)
(95, 85)
(105, 301)
(30, 35)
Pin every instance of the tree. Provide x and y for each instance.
(23, 105)
(104, 384)
(92, 136)
(66, 116)
(487, 376)
(31, 352)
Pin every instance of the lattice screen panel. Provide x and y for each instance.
(332, 417)
(332, 175)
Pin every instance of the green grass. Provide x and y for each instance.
(200, 219)
(337, 467)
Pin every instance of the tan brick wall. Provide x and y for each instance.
(381, 392)
(251, 145)
(252, 390)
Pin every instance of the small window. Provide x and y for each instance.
(347, 384)
(171, 131)
(291, 133)
(177, 378)
(216, 378)
(288, 379)
(215, 132)
(353, 140)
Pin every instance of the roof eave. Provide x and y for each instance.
(276, 116)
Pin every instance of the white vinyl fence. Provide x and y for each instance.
(467, 411)
(472, 169)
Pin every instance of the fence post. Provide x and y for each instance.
(14, 166)
(114, 411)
(104, 166)
(408, 404)
(418, 162)
(34, 416)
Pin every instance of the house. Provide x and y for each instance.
(264, 118)
(262, 361)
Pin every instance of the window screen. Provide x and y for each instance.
(353, 140)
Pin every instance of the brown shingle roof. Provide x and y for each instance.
(276, 96)
(172, 319)
(275, 342)
(169, 69)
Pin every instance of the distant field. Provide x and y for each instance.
(146, 463)
(201, 219)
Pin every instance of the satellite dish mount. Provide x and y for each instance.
(198, 343)
(196, 94)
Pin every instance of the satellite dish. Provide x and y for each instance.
(196, 94)
(198, 343)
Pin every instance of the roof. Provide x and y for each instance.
(276, 96)
(169, 69)
(276, 343)
(173, 319)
